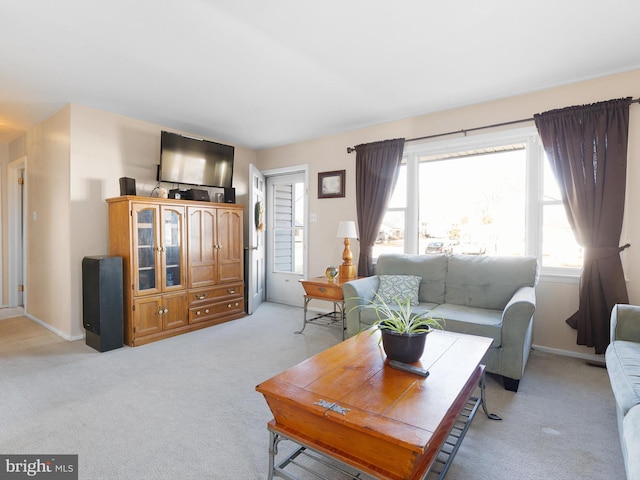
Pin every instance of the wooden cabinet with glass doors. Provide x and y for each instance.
(182, 262)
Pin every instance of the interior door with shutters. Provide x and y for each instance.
(286, 238)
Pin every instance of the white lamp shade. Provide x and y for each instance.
(347, 229)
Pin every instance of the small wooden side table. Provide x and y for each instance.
(319, 288)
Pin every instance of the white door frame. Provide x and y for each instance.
(17, 231)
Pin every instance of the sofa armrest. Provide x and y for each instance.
(517, 327)
(625, 323)
(357, 293)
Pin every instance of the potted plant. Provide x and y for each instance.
(403, 332)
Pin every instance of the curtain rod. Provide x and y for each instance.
(467, 130)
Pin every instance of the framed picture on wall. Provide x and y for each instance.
(331, 184)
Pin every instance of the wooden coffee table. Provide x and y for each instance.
(348, 405)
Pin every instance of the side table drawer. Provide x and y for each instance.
(330, 292)
(200, 313)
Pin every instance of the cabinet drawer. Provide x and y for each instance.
(204, 312)
(214, 294)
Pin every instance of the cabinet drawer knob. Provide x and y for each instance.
(166, 310)
(229, 306)
(206, 310)
(322, 289)
(160, 312)
(231, 290)
(201, 297)
(198, 312)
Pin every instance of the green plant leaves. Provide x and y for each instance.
(400, 318)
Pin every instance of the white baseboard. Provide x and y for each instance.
(53, 329)
(567, 353)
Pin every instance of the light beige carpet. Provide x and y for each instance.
(10, 312)
(186, 408)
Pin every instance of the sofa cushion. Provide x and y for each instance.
(431, 268)
(486, 281)
(471, 320)
(623, 366)
(397, 288)
(368, 314)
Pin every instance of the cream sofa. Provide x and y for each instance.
(490, 296)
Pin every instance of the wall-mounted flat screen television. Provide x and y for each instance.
(192, 161)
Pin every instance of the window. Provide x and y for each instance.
(559, 247)
(288, 235)
(490, 194)
(392, 231)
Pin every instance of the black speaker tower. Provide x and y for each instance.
(102, 314)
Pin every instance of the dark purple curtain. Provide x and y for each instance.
(377, 168)
(587, 148)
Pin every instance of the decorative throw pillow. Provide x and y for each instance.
(394, 288)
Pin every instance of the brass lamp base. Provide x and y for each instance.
(346, 272)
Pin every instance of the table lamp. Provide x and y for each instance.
(347, 230)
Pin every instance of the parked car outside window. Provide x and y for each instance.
(438, 246)
(473, 248)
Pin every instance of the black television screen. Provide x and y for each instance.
(195, 162)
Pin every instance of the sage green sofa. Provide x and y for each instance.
(490, 296)
(623, 366)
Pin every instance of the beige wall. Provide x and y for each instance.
(105, 147)
(48, 222)
(75, 159)
(557, 299)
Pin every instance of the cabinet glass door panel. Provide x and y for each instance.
(146, 249)
(146, 279)
(172, 247)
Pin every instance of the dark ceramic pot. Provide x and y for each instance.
(404, 347)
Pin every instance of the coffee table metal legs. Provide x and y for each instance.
(304, 459)
(450, 448)
(483, 399)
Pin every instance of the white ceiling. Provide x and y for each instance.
(261, 73)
